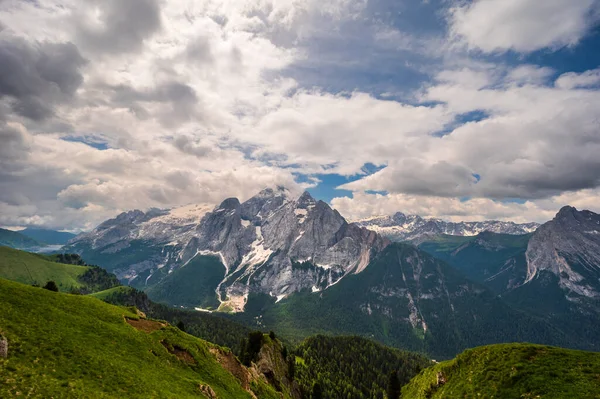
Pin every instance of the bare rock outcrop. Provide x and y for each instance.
(3, 347)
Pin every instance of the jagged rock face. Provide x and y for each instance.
(156, 226)
(262, 240)
(569, 247)
(273, 244)
(401, 227)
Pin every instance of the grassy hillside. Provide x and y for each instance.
(14, 239)
(37, 269)
(31, 269)
(71, 274)
(511, 371)
(109, 293)
(63, 345)
(211, 327)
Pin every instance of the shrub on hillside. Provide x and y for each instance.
(51, 286)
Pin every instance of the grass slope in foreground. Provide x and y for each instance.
(63, 345)
(511, 371)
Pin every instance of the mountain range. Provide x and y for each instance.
(296, 265)
(47, 236)
(400, 227)
(13, 239)
(272, 244)
(34, 239)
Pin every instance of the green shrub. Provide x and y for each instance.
(51, 286)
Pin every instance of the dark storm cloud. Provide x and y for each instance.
(556, 171)
(124, 25)
(37, 76)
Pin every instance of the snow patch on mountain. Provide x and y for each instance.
(258, 253)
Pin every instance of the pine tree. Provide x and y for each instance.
(393, 388)
(317, 392)
(291, 360)
(242, 352)
(284, 352)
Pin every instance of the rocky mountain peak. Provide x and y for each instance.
(399, 217)
(568, 246)
(264, 203)
(230, 204)
(566, 210)
(306, 200)
(271, 192)
(125, 217)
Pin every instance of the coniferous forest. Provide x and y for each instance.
(353, 367)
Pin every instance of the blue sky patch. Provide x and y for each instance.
(92, 142)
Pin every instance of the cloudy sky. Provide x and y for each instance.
(464, 110)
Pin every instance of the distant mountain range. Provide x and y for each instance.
(48, 237)
(400, 227)
(33, 239)
(13, 239)
(296, 265)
